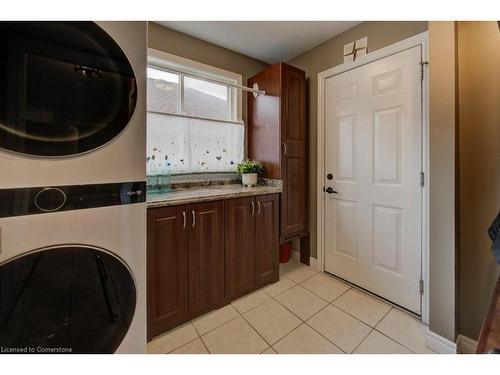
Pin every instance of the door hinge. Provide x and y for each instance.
(422, 179)
(421, 286)
(422, 64)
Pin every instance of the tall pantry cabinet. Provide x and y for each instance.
(277, 138)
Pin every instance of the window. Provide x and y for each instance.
(193, 117)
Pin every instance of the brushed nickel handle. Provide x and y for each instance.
(284, 148)
(253, 208)
(258, 207)
(194, 217)
(184, 218)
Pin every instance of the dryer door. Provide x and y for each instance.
(65, 88)
(65, 300)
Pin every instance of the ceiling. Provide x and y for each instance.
(267, 41)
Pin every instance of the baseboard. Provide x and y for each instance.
(313, 263)
(439, 344)
(295, 256)
(466, 345)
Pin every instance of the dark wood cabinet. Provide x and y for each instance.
(167, 269)
(206, 257)
(185, 256)
(251, 244)
(277, 137)
(266, 239)
(239, 246)
(201, 256)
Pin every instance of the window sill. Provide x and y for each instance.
(204, 179)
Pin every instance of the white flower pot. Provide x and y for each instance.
(249, 179)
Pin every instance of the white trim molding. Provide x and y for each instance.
(466, 345)
(313, 263)
(439, 344)
(416, 40)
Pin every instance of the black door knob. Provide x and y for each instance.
(330, 190)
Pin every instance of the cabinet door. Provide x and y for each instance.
(266, 239)
(167, 268)
(293, 209)
(239, 245)
(206, 257)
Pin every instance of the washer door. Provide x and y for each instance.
(65, 88)
(65, 300)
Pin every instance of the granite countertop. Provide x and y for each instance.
(209, 193)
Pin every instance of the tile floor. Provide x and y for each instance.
(304, 312)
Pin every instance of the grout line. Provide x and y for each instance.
(382, 318)
(258, 333)
(254, 307)
(364, 338)
(190, 341)
(205, 345)
(397, 342)
(341, 294)
(352, 316)
(326, 338)
(305, 322)
(319, 333)
(223, 324)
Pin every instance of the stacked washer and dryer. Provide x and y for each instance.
(72, 190)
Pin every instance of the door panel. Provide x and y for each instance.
(239, 246)
(373, 149)
(167, 269)
(266, 239)
(206, 256)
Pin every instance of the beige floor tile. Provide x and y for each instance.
(214, 319)
(279, 287)
(272, 321)
(405, 330)
(297, 272)
(250, 301)
(301, 302)
(377, 343)
(235, 337)
(325, 286)
(193, 347)
(305, 340)
(269, 350)
(366, 308)
(173, 339)
(342, 329)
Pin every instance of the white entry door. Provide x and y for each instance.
(373, 151)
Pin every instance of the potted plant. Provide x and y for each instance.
(249, 170)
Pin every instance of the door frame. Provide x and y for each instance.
(414, 41)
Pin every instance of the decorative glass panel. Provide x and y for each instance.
(163, 91)
(206, 99)
(188, 145)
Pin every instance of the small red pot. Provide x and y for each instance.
(285, 252)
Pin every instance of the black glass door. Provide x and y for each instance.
(65, 300)
(65, 88)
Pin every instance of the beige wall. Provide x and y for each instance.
(442, 128)
(330, 54)
(179, 44)
(479, 124)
